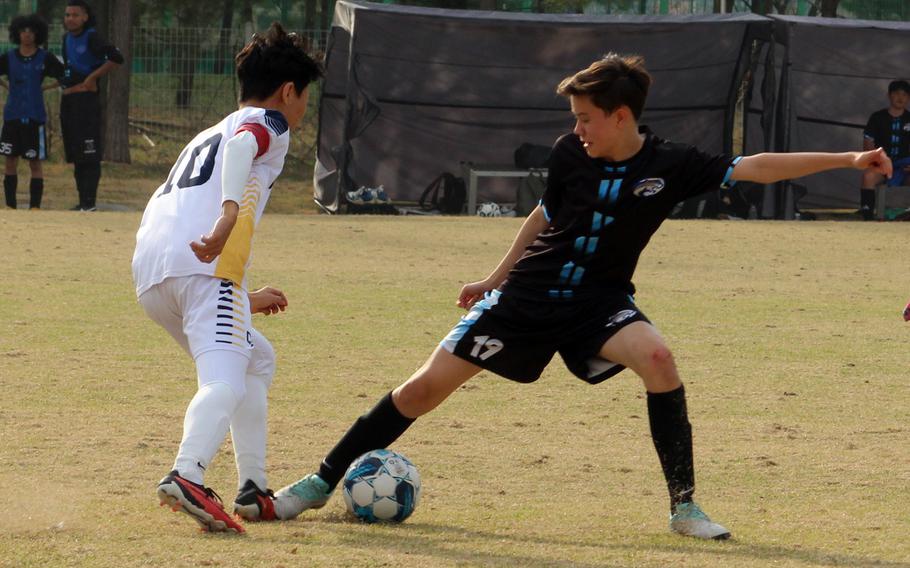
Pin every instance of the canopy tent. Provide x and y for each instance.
(412, 92)
(836, 74)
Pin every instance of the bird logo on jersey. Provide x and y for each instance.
(620, 317)
(648, 187)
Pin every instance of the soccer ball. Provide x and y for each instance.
(381, 486)
(489, 210)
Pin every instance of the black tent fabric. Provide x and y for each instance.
(412, 92)
(836, 74)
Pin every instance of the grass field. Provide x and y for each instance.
(788, 336)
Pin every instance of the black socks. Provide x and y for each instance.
(376, 429)
(672, 435)
(35, 191)
(867, 203)
(9, 189)
(87, 175)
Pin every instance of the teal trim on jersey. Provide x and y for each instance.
(592, 245)
(576, 275)
(546, 214)
(560, 294)
(490, 299)
(566, 273)
(609, 188)
(614, 191)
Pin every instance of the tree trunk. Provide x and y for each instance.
(246, 17)
(116, 127)
(309, 15)
(185, 66)
(48, 10)
(760, 6)
(325, 17)
(101, 10)
(829, 8)
(224, 39)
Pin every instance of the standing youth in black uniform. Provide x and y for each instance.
(87, 57)
(24, 116)
(565, 284)
(888, 128)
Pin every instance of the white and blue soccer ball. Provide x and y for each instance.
(489, 210)
(381, 485)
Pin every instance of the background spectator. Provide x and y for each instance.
(87, 57)
(24, 116)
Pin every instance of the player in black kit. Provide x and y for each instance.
(889, 129)
(565, 285)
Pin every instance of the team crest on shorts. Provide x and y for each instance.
(620, 317)
(648, 187)
(31, 155)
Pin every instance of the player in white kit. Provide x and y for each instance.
(193, 249)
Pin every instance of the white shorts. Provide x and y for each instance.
(202, 314)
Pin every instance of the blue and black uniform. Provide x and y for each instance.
(80, 113)
(24, 116)
(891, 133)
(572, 289)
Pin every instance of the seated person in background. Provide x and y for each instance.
(888, 128)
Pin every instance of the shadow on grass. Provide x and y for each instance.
(442, 542)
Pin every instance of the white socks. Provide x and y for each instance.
(205, 425)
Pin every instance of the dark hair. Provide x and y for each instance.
(90, 23)
(611, 82)
(271, 60)
(33, 22)
(899, 85)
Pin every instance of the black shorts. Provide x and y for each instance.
(27, 139)
(517, 338)
(80, 124)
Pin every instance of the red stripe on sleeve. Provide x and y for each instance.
(261, 134)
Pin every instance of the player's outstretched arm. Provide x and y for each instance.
(769, 167)
(533, 225)
(267, 300)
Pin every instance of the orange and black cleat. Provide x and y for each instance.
(197, 501)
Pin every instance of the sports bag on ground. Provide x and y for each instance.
(446, 193)
(531, 156)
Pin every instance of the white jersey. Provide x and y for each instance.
(187, 205)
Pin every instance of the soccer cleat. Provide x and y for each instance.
(253, 504)
(362, 196)
(689, 520)
(381, 195)
(311, 492)
(197, 501)
(907, 312)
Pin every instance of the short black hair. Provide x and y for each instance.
(611, 82)
(899, 85)
(272, 59)
(90, 23)
(33, 22)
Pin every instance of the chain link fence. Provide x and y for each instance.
(182, 80)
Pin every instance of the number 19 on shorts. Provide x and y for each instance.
(485, 347)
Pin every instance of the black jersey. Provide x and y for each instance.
(602, 214)
(890, 133)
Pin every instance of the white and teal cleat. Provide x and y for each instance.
(690, 520)
(311, 492)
